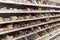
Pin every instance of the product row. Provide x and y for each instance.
(25, 9)
(31, 1)
(20, 33)
(28, 16)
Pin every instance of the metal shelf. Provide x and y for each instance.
(18, 11)
(47, 11)
(3, 22)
